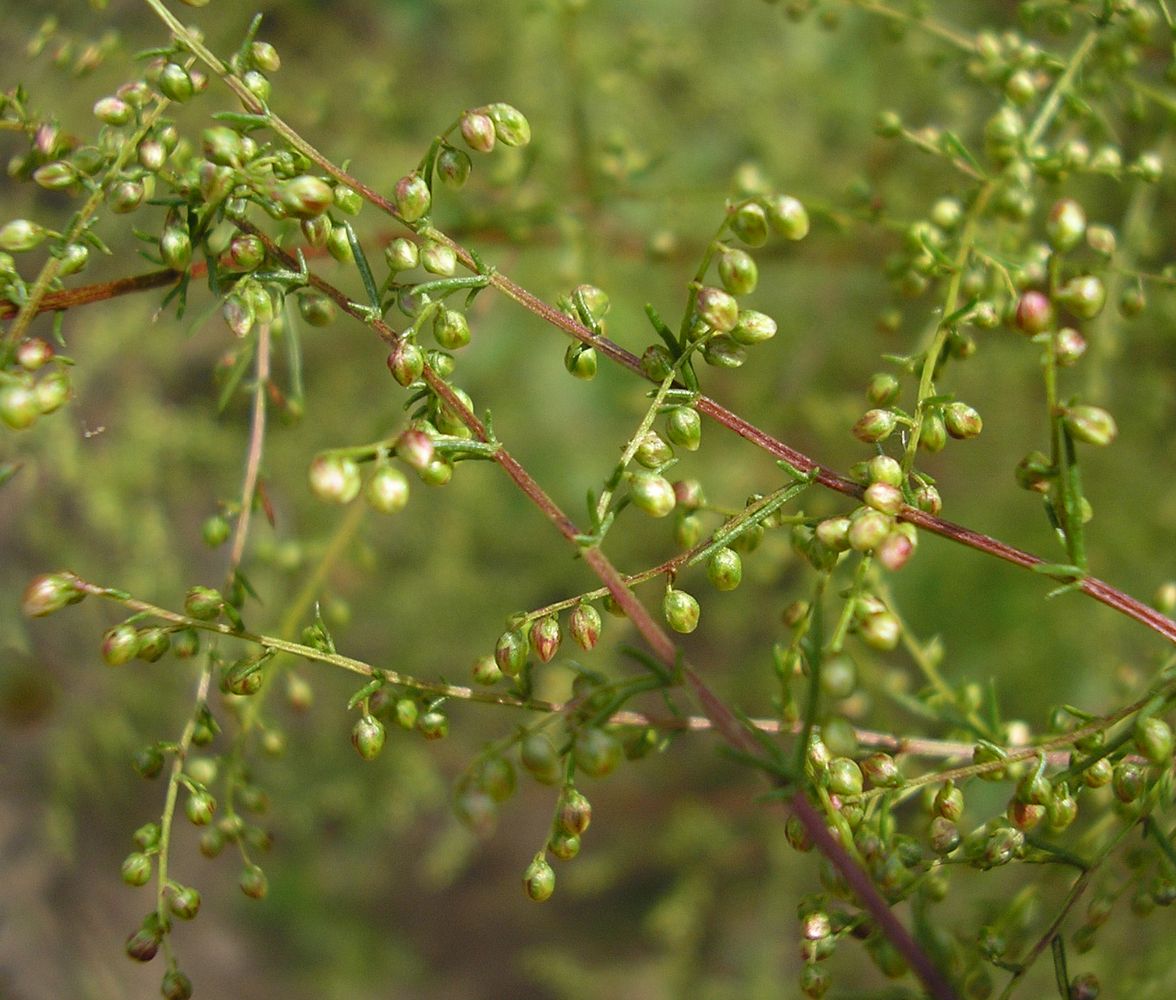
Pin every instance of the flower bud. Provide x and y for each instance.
(175, 83)
(453, 167)
(1153, 739)
(136, 869)
(415, 448)
(478, 131)
(437, 258)
(406, 361)
(21, 235)
(434, 724)
(50, 592)
(511, 652)
(451, 329)
(486, 671)
(564, 846)
(750, 224)
(199, 808)
(387, 490)
(884, 497)
(574, 813)
(153, 643)
(1065, 225)
(724, 569)
(580, 360)
(334, 478)
(874, 426)
(253, 882)
(788, 217)
(753, 328)
(684, 427)
(538, 755)
(717, 309)
(1069, 346)
(597, 753)
(1084, 295)
(881, 771)
(880, 631)
(868, 527)
(315, 308)
(688, 494)
(539, 879)
(844, 776)
(1034, 313)
(833, 533)
(681, 611)
(412, 198)
(402, 254)
(545, 638)
(738, 272)
(1091, 424)
(112, 111)
(184, 902)
(962, 421)
(143, 944)
(932, 432)
(584, 625)
(651, 493)
(367, 736)
(510, 125)
(656, 362)
(306, 196)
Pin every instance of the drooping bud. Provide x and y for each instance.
(875, 425)
(1091, 424)
(962, 421)
(412, 198)
(334, 478)
(1065, 225)
(585, 625)
(724, 569)
(406, 362)
(545, 638)
(652, 493)
(539, 879)
(1034, 313)
(50, 592)
(510, 125)
(511, 652)
(717, 308)
(681, 611)
(387, 490)
(788, 217)
(750, 224)
(367, 736)
(684, 427)
(478, 131)
(738, 272)
(753, 328)
(415, 448)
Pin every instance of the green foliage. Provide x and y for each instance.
(924, 243)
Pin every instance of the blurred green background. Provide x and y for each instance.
(643, 117)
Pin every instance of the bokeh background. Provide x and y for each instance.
(645, 117)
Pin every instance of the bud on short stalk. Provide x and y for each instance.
(585, 625)
(545, 638)
(334, 478)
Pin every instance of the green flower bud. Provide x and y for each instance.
(896, 549)
(1065, 225)
(246, 251)
(451, 329)
(136, 869)
(738, 272)
(580, 360)
(415, 448)
(880, 769)
(962, 421)
(258, 85)
(750, 224)
(1061, 810)
(153, 643)
(1091, 424)
(1084, 295)
(407, 713)
(688, 494)
(1069, 346)
(367, 736)
(477, 811)
(33, 354)
(315, 308)
(453, 167)
(387, 490)
(203, 603)
(184, 902)
(120, 645)
(175, 247)
(724, 569)
(56, 176)
(1129, 780)
(511, 652)
(1098, 774)
(933, 432)
(884, 497)
(510, 126)
(753, 328)
(584, 625)
(406, 362)
(546, 636)
(681, 611)
(687, 529)
(844, 776)
(148, 762)
(437, 258)
(19, 408)
(539, 757)
(175, 83)
(317, 231)
(112, 111)
(539, 878)
(412, 198)
(438, 472)
(486, 671)
(434, 724)
(684, 427)
(722, 351)
(651, 493)
(199, 808)
(305, 196)
(717, 309)
(888, 124)
(652, 451)
(875, 425)
(143, 944)
(574, 813)
(880, 631)
(564, 846)
(944, 835)
(788, 217)
(478, 131)
(50, 592)
(1153, 739)
(833, 533)
(868, 527)
(656, 362)
(334, 478)
(597, 752)
(253, 882)
(21, 235)
(402, 254)
(1034, 313)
